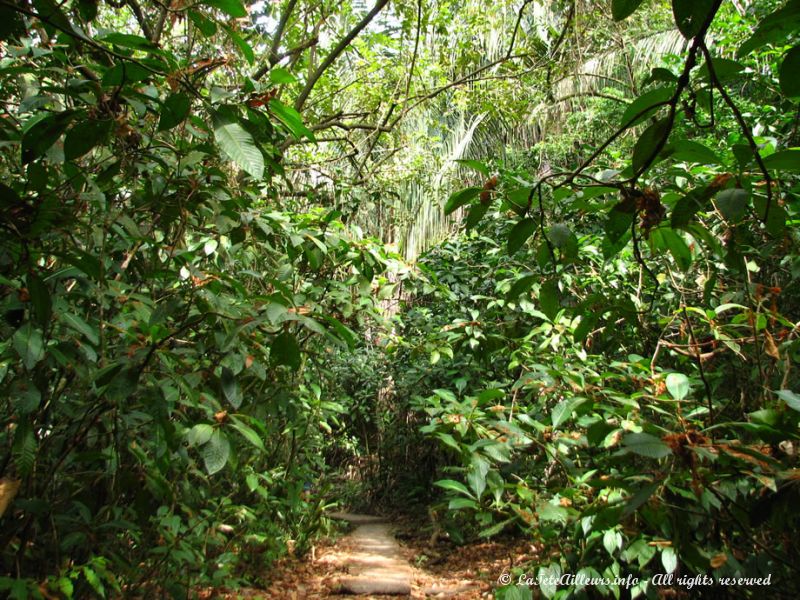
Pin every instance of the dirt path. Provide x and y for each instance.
(373, 561)
(370, 563)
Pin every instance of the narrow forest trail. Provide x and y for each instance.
(370, 562)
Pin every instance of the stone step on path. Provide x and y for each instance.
(375, 564)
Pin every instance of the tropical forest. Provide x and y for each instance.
(399, 298)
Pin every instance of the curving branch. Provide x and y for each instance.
(336, 52)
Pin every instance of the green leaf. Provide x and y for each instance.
(476, 165)
(199, 434)
(522, 285)
(128, 40)
(11, 23)
(29, 344)
(548, 298)
(249, 434)
(232, 8)
(215, 453)
(612, 541)
(230, 387)
(639, 498)
(550, 512)
(775, 219)
(174, 112)
(666, 238)
(124, 72)
(690, 151)
(725, 69)
(645, 444)
(84, 136)
(237, 144)
(75, 322)
(562, 237)
(561, 412)
(645, 105)
(475, 215)
(453, 486)
(784, 160)
(291, 118)
(773, 28)
(690, 15)
(677, 385)
(51, 14)
(24, 448)
(27, 400)
(520, 233)
(205, 25)
(40, 137)
(476, 475)
(732, 204)
(790, 73)
(40, 298)
(669, 559)
(792, 400)
(281, 76)
(645, 149)
(460, 198)
(621, 9)
(285, 351)
(460, 503)
(244, 48)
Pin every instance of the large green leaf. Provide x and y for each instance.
(790, 73)
(84, 136)
(291, 119)
(174, 112)
(453, 486)
(460, 198)
(215, 452)
(232, 8)
(237, 143)
(230, 387)
(648, 143)
(621, 9)
(42, 135)
(773, 28)
(285, 351)
(645, 105)
(690, 15)
(520, 233)
(645, 444)
(29, 344)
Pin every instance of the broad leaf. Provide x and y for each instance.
(232, 8)
(648, 144)
(645, 444)
(215, 452)
(237, 144)
(174, 112)
(677, 385)
(230, 387)
(460, 198)
(690, 15)
(621, 9)
(285, 351)
(29, 344)
(291, 119)
(519, 234)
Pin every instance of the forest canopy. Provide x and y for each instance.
(528, 267)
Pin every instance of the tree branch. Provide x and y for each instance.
(334, 54)
(272, 55)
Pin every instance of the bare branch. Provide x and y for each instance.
(334, 54)
(272, 55)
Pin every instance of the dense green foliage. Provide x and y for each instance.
(208, 338)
